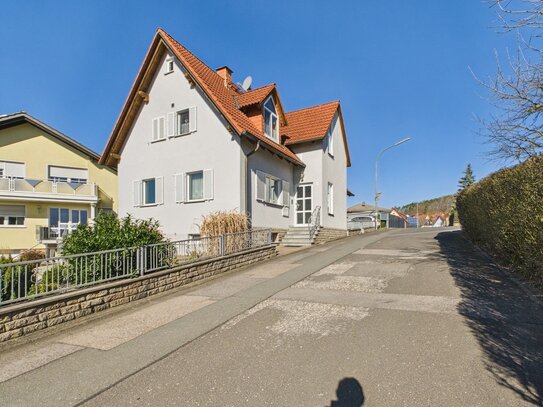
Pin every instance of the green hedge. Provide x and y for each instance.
(503, 214)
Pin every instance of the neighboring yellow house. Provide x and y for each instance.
(49, 184)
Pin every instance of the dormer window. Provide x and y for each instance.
(271, 123)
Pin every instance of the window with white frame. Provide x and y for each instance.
(148, 192)
(12, 169)
(194, 186)
(169, 66)
(272, 190)
(330, 198)
(12, 215)
(181, 122)
(67, 174)
(271, 122)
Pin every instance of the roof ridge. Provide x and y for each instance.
(187, 50)
(313, 107)
(261, 87)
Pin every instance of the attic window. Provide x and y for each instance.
(169, 66)
(271, 124)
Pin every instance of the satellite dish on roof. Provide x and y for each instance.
(246, 85)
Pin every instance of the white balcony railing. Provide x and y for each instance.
(46, 187)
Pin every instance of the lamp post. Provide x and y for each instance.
(377, 193)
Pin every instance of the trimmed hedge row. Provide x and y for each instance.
(503, 214)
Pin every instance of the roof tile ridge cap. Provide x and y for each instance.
(315, 106)
(260, 88)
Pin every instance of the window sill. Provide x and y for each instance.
(159, 140)
(330, 214)
(182, 135)
(273, 204)
(195, 201)
(168, 72)
(331, 155)
(148, 205)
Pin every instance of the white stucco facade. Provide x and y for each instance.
(211, 146)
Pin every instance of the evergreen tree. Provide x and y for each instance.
(467, 180)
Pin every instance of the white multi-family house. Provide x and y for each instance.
(189, 141)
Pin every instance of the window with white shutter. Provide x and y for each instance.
(208, 184)
(170, 131)
(286, 194)
(179, 180)
(136, 193)
(192, 119)
(159, 128)
(330, 197)
(11, 169)
(159, 190)
(260, 181)
(12, 215)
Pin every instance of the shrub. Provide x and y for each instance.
(220, 223)
(503, 213)
(32, 254)
(109, 232)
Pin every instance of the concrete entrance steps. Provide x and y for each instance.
(298, 236)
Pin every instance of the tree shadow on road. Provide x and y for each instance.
(349, 393)
(505, 321)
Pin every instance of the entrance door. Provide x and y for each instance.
(304, 204)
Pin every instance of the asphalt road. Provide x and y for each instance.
(403, 318)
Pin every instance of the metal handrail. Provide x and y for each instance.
(314, 221)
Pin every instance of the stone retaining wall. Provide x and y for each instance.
(327, 234)
(34, 315)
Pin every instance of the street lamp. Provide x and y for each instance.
(377, 193)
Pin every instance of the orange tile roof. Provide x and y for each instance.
(310, 123)
(300, 125)
(254, 96)
(223, 96)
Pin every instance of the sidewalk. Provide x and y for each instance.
(82, 359)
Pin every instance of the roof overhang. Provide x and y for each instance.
(255, 139)
(17, 119)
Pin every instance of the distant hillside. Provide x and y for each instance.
(435, 205)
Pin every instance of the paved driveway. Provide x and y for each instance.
(404, 318)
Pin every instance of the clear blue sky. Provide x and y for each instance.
(400, 68)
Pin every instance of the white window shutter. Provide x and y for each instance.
(286, 193)
(170, 128)
(192, 119)
(136, 194)
(179, 188)
(159, 190)
(155, 128)
(208, 184)
(161, 127)
(267, 190)
(260, 179)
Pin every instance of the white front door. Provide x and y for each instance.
(304, 203)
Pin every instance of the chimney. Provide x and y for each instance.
(225, 73)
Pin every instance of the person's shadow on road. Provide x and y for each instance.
(349, 393)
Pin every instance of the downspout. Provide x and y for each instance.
(248, 177)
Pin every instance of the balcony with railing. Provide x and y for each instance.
(46, 190)
(54, 234)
